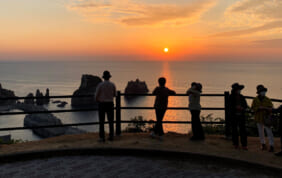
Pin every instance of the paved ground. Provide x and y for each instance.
(117, 166)
(106, 166)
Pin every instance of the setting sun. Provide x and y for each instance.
(165, 50)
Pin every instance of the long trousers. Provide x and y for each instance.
(158, 129)
(239, 122)
(269, 133)
(197, 128)
(106, 108)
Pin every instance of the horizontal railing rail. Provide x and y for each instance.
(122, 94)
(118, 109)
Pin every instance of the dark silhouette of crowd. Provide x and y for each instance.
(261, 106)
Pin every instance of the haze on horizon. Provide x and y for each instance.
(215, 30)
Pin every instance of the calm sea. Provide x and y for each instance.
(62, 78)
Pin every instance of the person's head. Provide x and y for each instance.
(199, 87)
(194, 85)
(162, 81)
(106, 75)
(236, 88)
(261, 90)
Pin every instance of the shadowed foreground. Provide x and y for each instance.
(175, 148)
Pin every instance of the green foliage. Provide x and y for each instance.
(217, 129)
(138, 125)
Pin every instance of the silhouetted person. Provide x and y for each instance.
(279, 110)
(237, 109)
(160, 105)
(195, 109)
(262, 107)
(105, 93)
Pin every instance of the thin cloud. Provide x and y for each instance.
(273, 43)
(132, 13)
(263, 9)
(268, 26)
(246, 5)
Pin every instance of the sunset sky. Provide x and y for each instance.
(219, 30)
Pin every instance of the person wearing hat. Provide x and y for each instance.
(105, 93)
(237, 109)
(262, 106)
(195, 109)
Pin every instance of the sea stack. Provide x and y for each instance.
(35, 120)
(30, 100)
(40, 100)
(87, 87)
(5, 93)
(136, 87)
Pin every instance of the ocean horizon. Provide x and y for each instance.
(64, 77)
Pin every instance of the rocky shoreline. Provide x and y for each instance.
(33, 103)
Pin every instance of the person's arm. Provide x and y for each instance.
(97, 93)
(155, 91)
(244, 104)
(194, 91)
(189, 91)
(115, 91)
(255, 105)
(269, 105)
(171, 92)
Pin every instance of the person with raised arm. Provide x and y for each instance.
(161, 102)
(195, 109)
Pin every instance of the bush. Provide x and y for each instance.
(217, 129)
(138, 125)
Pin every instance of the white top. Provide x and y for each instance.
(105, 92)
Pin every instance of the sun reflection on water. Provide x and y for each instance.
(173, 101)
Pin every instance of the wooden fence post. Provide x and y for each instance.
(227, 117)
(118, 114)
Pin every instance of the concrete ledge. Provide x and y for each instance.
(147, 153)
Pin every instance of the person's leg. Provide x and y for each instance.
(193, 124)
(197, 128)
(157, 127)
(110, 116)
(235, 135)
(101, 121)
(161, 116)
(269, 135)
(261, 132)
(243, 132)
(200, 131)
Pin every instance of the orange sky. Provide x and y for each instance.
(139, 30)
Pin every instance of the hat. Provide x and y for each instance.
(236, 86)
(261, 88)
(106, 74)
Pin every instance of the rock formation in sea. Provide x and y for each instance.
(29, 101)
(136, 87)
(33, 120)
(87, 87)
(62, 104)
(5, 93)
(39, 101)
(47, 99)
